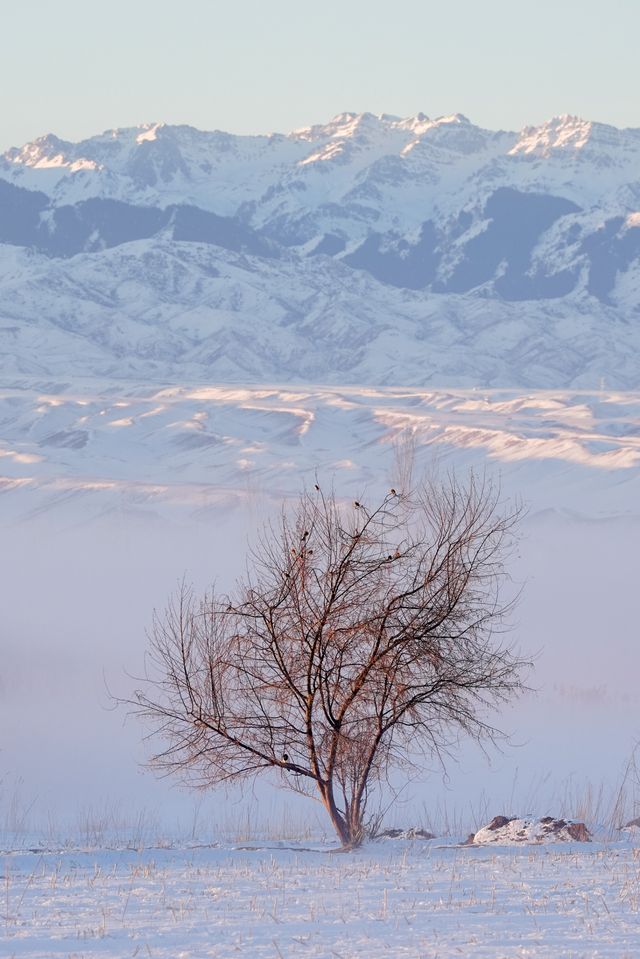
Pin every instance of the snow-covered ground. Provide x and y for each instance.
(279, 901)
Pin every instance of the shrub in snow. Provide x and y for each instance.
(362, 640)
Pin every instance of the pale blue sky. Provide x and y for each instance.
(77, 67)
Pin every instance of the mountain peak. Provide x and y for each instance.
(458, 118)
(47, 150)
(343, 125)
(568, 134)
(149, 131)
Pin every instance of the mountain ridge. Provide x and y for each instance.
(449, 231)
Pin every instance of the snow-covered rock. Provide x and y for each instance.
(412, 833)
(506, 831)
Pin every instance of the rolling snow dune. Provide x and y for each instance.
(179, 444)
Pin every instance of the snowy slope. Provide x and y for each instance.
(191, 446)
(166, 311)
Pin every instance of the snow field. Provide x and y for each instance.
(415, 900)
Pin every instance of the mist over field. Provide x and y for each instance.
(92, 544)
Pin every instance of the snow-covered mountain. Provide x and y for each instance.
(369, 249)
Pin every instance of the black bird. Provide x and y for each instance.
(393, 492)
(317, 487)
(285, 757)
(357, 503)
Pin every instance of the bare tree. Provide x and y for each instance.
(361, 639)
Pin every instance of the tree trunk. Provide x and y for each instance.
(356, 828)
(339, 824)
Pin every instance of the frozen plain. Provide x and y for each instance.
(111, 492)
(389, 899)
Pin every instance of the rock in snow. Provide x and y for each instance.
(412, 833)
(506, 831)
